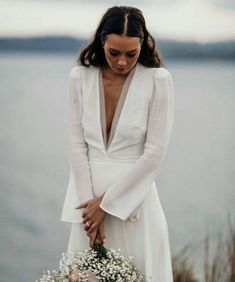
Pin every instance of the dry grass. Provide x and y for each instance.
(218, 267)
(182, 269)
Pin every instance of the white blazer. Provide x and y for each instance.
(125, 168)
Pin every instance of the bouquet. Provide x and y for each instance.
(93, 265)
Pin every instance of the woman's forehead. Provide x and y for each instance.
(122, 42)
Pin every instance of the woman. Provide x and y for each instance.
(121, 116)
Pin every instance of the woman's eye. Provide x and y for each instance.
(113, 54)
(131, 55)
(116, 54)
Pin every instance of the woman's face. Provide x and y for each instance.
(121, 52)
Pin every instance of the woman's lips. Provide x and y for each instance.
(121, 68)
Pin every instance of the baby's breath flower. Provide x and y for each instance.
(98, 264)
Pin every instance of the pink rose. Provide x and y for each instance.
(74, 277)
(92, 277)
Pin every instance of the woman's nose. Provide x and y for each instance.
(122, 61)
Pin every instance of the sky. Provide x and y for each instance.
(198, 20)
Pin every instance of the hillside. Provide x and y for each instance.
(168, 48)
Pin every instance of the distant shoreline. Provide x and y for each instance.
(168, 48)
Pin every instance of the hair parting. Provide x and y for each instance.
(121, 20)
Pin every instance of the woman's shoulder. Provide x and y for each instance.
(157, 72)
(161, 73)
(78, 70)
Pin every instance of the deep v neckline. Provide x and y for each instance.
(118, 111)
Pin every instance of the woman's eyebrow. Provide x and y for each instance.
(119, 51)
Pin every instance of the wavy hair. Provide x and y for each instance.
(114, 21)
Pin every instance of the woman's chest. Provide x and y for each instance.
(112, 92)
(132, 106)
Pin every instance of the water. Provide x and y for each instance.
(196, 184)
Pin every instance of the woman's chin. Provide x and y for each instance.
(121, 71)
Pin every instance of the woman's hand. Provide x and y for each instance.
(98, 235)
(93, 215)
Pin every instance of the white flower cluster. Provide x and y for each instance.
(89, 265)
(53, 276)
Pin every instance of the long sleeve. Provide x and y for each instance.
(128, 193)
(80, 184)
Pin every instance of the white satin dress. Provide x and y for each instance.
(126, 167)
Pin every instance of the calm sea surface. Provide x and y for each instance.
(196, 184)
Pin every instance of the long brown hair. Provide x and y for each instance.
(113, 21)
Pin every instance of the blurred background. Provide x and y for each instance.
(39, 44)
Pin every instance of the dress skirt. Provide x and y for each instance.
(143, 236)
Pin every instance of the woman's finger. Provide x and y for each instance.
(87, 225)
(86, 218)
(82, 205)
(102, 231)
(92, 237)
(98, 239)
(92, 227)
